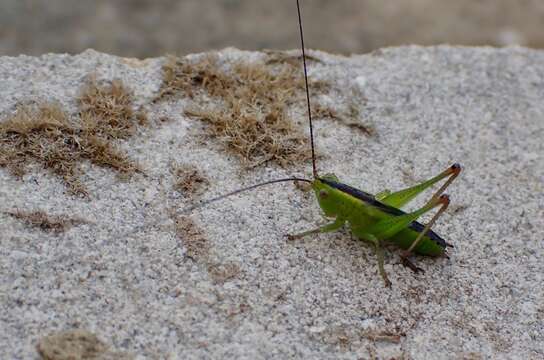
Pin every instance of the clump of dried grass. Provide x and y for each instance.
(77, 344)
(253, 120)
(189, 180)
(107, 111)
(47, 135)
(180, 76)
(43, 134)
(193, 238)
(198, 249)
(221, 273)
(45, 222)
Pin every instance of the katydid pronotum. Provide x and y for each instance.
(375, 219)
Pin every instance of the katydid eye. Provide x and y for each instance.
(323, 194)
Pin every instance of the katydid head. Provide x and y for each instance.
(325, 194)
(330, 177)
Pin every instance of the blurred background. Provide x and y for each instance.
(149, 28)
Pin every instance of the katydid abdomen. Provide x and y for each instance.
(429, 245)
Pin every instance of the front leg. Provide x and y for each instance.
(337, 224)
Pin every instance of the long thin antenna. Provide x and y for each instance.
(307, 90)
(242, 190)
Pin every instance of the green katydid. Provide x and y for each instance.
(375, 219)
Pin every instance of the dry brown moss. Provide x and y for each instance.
(106, 115)
(198, 249)
(193, 238)
(45, 222)
(43, 134)
(107, 111)
(221, 273)
(46, 134)
(189, 180)
(181, 76)
(76, 344)
(385, 336)
(253, 119)
(345, 336)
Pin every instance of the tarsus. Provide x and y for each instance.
(307, 90)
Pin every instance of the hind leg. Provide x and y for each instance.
(405, 254)
(400, 198)
(389, 227)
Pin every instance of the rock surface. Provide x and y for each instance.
(123, 273)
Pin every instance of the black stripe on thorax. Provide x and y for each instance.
(371, 200)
